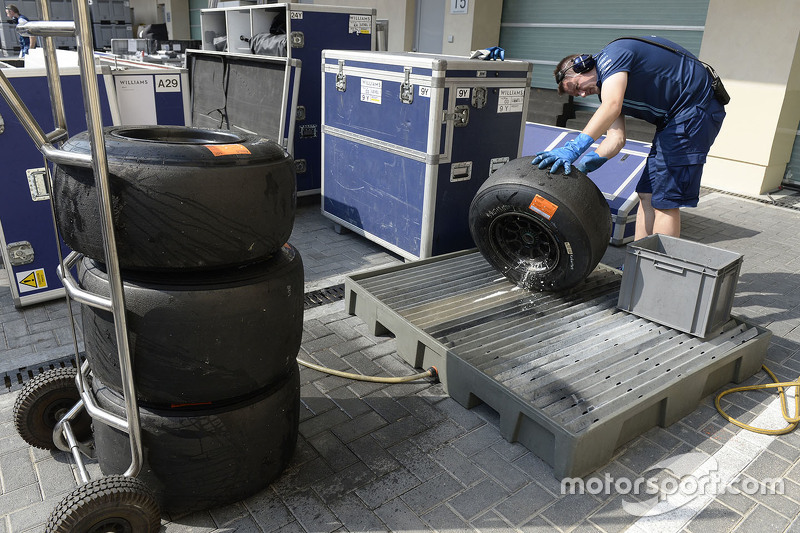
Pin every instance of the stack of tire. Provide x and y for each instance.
(214, 306)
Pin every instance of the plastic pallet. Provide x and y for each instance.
(571, 376)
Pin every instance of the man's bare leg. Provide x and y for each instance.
(650, 220)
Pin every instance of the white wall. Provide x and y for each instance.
(478, 28)
(178, 24)
(755, 48)
(146, 12)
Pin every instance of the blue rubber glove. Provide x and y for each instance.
(565, 155)
(590, 162)
(492, 53)
(495, 52)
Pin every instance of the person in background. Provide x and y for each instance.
(25, 43)
(668, 87)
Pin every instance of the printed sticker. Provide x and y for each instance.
(511, 100)
(296, 15)
(463, 92)
(424, 92)
(371, 90)
(361, 24)
(168, 83)
(543, 206)
(31, 280)
(227, 149)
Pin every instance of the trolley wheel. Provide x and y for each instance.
(41, 404)
(111, 504)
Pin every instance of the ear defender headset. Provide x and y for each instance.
(580, 64)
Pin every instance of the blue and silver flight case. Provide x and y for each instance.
(407, 140)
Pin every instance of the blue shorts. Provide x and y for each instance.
(675, 163)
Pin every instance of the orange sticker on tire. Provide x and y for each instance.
(543, 206)
(227, 149)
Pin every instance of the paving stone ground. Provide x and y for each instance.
(375, 457)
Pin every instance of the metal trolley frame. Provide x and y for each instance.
(115, 510)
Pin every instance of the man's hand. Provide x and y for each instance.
(590, 162)
(565, 155)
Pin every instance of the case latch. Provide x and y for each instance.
(297, 39)
(308, 131)
(461, 171)
(37, 183)
(496, 163)
(479, 97)
(341, 78)
(300, 113)
(20, 253)
(460, 116)
(407, 88)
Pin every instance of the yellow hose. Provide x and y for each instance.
(793, 421)
(430, 373)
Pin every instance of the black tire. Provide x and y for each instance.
(202, 338)
(43, 401)
(542, 231)
(205, 458)
(175, 204)
(114, 503)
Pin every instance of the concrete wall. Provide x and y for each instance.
(400, 14)
(755, 48)
(178, 24)
(478, 28)
(146, 12)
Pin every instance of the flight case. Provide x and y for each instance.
(408, 138)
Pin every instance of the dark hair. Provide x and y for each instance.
(562, 65)
(13, 8)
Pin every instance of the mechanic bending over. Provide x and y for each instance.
(667, 87)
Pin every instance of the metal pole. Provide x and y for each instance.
(91, 100)
(53, 79)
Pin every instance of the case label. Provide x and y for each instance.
(463, 93)
(168, 83)
(371, 90)
(295, 15)
(31, 280)
(360, 24)
(511, 100)
(424, 92)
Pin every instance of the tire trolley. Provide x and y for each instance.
(50, 411)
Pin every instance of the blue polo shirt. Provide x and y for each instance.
(661, 83)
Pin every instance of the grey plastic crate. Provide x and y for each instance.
(686, 285)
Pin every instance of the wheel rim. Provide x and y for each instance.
(55, 411)
(112, 525)
(524, 243)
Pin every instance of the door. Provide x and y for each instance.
(430, 26)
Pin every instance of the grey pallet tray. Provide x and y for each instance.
(571, 376)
